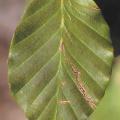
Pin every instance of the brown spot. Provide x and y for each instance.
(95, 8)
(63, 102)
(61, 47)
(63, 83)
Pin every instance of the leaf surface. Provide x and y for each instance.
(60, 59)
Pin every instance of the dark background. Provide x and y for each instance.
(111, 12)
(10, 12)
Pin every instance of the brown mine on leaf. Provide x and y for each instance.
(79, 84)
(81, 87)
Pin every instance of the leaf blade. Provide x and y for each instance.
(66, 57)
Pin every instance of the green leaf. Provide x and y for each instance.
(60, 59)
(109, 107)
